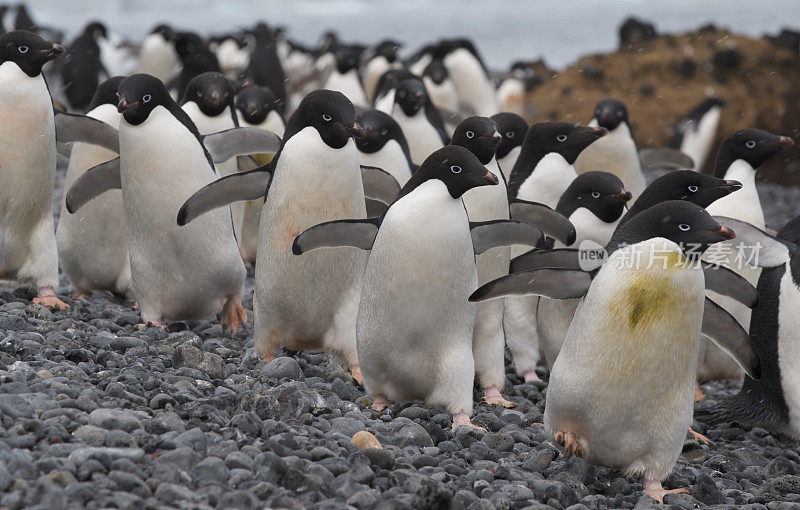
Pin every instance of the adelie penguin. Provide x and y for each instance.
(82, 70)
(158, 56)
(440, 87)
(178, 273)
(305, 302)
(346, 76)
(620, 392)
(384, 57)
(383, 145)
(383, 98)
(694, 134)
(415, 324)
(196, 58)
(513, 128)
(470, 77)
(420, 121)
(29, 252)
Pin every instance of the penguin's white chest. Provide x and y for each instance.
(205, 123)
(348, 84)
(744, 205)
(506, 163)
(788, 347)
(615, 153)
(391, 158)
(423, 139)
(273, 123)
(471, 82)
(443, 95)
(551, 176)
(697, 142)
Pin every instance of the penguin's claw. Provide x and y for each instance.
(570, 443)
(355, 373)
(80, 295)
(492, 397)
(379, 403)
(47, 298)
(700, 438)
(531, 376)
(698, 393)
(151, 324)
(462, 418)
(135, 305)
(559, 437)
(233, 315)
(657, 492)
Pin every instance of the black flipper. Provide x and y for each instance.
(241, 141)
(375, 208)
(551, 222)
(379, 184)
(249, 185)
(358, 233)
(551, 283)
(753, 245)
(729, 283)
(722, 329)
(94, 182)
(665, 157)
(490, 234)
(72, 127)
(561, 258)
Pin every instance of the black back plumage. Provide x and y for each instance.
(264, 67)
(82, 70)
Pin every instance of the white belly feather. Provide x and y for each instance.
(422, 137)
(390, 158)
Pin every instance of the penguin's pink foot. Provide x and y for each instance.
(233, 314)
(570, 443)
(80, 295)
(655, 490)
(531, 376)
(462, 418)
(492, 396)
(355, 372)
(698, 392)
(47, 298)
(700, 438)
(150, 324)
(380, 402)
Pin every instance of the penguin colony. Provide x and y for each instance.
(401, 219)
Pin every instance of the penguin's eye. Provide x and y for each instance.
(561, 138)
(199, 93)
(384, 132)
(470, 134)
(597, 113)
(684, 227)
(750, 144)
(146, 98)
(225, 94)
(620, 113)
(401, 93)
(23, 49)
(693, 188)
(510, 134)
(326, 117)
(595, 194)
(455, 169)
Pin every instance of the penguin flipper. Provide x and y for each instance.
(551, 222)
(754, 246)
(553, 283)
(94, 182)
(358, 233)
(379, 185)
(71, 127)
(722, 329)
(241, 141)
(560, 258)
(729, 283)
(491, 234)
(249, 185)
(665, 157)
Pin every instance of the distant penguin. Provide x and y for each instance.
(345, 76)
(28, 145)
(384, 57)
(738, 159)
(512, 92)
(420, 121)
(383, 97)
(232, 53)
(513, 129)
(265, 67)
(196, 58)
(543, 171)
(420, 270)
(93, 243)
(440, 87)
(620, 392)
(82, 70)
(383, 145)
(468, 72)
(158, 56)
(695, 133)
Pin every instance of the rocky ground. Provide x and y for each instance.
(97, 414)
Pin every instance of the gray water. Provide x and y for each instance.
(560, 31)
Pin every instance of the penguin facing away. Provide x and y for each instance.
(82, 70)
(29, 253)
(420, 121)
(694, 134)
(424, 241)
(512, 128)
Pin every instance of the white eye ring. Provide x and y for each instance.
(455, 169)
(750, 144)
(510, 134)
(384, 132)
(199, 93)
(470, 134)
(620, 114)
(401, 93)
(146, 98)
(23, 49)
(595, 194)
(326, 117)
(561, 138)
(684, 227)
(693, 188)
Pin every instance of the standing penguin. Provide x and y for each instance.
(620, 392)
(345, 76)
(232, 53)
(28, 144)
(439, 86)
(82, 69)
(738, 159)
(694, 134)
(158, 56)
(384, 57)
(468, 72)
(384, 96)
(513, 129)
(265, 67)
(384, 146)
(92, 243)
(196, 58)
(420, 121)
(414, 320)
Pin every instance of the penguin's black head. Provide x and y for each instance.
(330, 113)
(564, 138)
(96, 30)
(348, 57)
(687, 224)
(754, 146)
(28, 51)
(254, 104)
(480, 136)
(411, 95)
(378, 128)
(388, 49)
(602, 193)
(213, 93)
(610, 113)
(165, 31)
(456, 167)
(138, 95)
(513, 128)
(188, 44)
(106, 93)
(691, 186)
(436, 71)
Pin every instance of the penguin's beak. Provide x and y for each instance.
(726, 233)
(600, 132)
(356, 131)
(496, 139)
(491, 178)
(623, 196)
(731, 186)
(123, 106)
(55, 51)
(785, 141)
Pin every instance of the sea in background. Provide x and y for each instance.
(505, 31)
